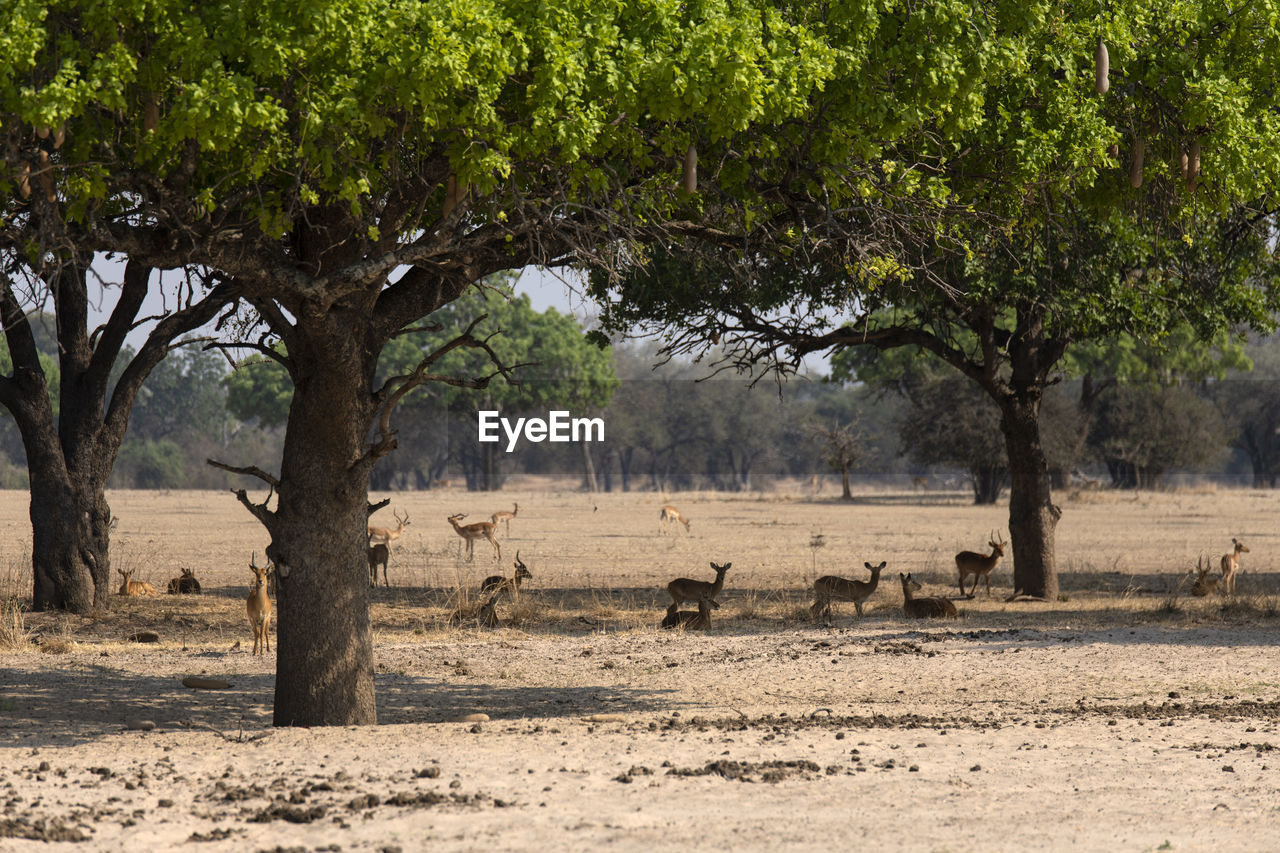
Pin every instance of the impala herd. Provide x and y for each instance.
(827, 589)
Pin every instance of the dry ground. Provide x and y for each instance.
(1126, 716)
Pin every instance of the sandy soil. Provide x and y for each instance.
(1127, 716)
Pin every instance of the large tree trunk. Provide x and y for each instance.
(1032, 515)
(324, 663)
(70, 519)
(70, 539)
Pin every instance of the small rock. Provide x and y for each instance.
(144, 637)
(198, 683)
(975, 768)
(605, 718)
(140, 725)
(472, 718)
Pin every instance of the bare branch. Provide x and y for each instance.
(250, 470)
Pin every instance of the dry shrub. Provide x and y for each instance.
(13, 627)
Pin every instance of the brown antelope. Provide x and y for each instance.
(923, 608)
(979, 565)
(831, 588)
(919, 484)
(495, 585)
(700, 620)
(379, 555)
(483, 616)
(258, 606)
(505, 517)
(186, 584)
(385, 535)
(128, 587)
(1203, 584)
(687, 589)
(472, 532)
(668, 515)
(1231, 565)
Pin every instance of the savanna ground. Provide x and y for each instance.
(1126, 716)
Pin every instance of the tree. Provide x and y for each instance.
(351, 168)
(1037, 242)
(71, 445)
(1143, 431)
(841, 450)
(1250, 406)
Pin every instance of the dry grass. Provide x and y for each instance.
(598, 561)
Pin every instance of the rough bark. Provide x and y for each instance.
(1033, 518)
(324, 663)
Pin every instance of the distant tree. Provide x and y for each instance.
(841, 446)
(1144, 430)
(1250, 406)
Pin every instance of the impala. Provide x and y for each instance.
(922, 608)
(258, 606)
(1203, 584)
(379, 555)
(495, 585)
(700, 620)
(385, 535)
(831, 588)
(128, 587)
(185, 584)
(979, 565)
(687, 589)
(472, 532)
(505, 517)
(668, 515)
(1231, 565)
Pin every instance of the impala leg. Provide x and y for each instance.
(987, 580)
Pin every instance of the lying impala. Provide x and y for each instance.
(128, 587)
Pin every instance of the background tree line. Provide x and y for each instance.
(1123, 416)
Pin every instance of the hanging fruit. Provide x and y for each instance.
(46, 176)
(691, 169)
(454, 193)
(150, 113)
(1135, 164)
(24, 180)
(1193, 165)
(1103, 67)
(60, 135)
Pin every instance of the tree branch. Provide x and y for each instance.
(250, 470)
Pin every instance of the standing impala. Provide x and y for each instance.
(472, 532)
(831, 588)
(258, 606)
(505, 517)
(670, 515)
(1231, 565)
(687, 589)
(979, 565)
(385, 535)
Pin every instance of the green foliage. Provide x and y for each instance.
(152, 465)
(330, 102)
